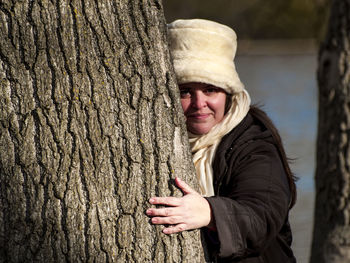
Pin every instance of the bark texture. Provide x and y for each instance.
(90, 128)
(331, 238)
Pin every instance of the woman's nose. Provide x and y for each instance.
(198, 100)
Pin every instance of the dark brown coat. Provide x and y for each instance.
(252, 198)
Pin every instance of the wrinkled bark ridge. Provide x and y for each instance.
(90, 128)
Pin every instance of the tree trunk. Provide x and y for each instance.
(90, 128)
(331, 238)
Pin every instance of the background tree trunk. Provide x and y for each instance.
(90, 128)
(331, 239)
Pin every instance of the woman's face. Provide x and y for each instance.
(203, 106)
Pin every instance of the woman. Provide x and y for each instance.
(246, 186)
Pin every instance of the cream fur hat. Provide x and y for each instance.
(203, 51)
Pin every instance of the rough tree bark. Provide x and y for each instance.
(331, 238)
(90, 128)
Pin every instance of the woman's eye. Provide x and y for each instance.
(184, 93)
(211, 90)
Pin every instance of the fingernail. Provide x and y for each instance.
(151, 200)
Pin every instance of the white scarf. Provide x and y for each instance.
(204, 147)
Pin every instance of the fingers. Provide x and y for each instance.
(167, 201)
(185, 188)
(173, 201)
(181, 213)
(174, 229)
(164, 216)
(166, 220)
(161, 212)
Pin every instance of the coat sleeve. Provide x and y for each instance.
(254, 203)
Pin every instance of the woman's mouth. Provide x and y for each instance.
(199, 116)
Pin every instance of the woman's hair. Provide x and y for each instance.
(228, 102)
(263, 118)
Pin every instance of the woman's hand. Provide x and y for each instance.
(190, 211)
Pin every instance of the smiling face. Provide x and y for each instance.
(203, 106)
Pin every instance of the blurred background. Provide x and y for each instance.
(276, 59)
